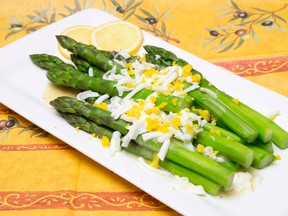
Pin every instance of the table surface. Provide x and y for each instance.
(42, 175)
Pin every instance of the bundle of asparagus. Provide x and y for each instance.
(242, 136)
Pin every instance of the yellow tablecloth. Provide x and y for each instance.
(41, 175)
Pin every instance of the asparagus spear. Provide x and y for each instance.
(196, 179)
(266, 126)
(223, 132)
(80, 81)
(231, 149)
(254, 155)
(262, 158)
(167, 57)
(99, 58)
(266, 146)
(192, 160)
(49, 62)
(84, 66)
(265, 133)
(226, 115)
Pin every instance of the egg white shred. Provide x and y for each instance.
(209, 152)
(115, 145)
(245, 181)
(82, 96)
(208, 91)
(102, 98)
(90, 72)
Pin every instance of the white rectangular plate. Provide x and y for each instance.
(22, 86)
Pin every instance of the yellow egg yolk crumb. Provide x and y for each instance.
(277, 157)
(177, 85)
(152, 99)
(204, 114)
(135, 111)
(162, 105)
(155, 162)
(129, 66)
(155, 125)
(102, 105)
(105, 142)
(189, 128)
(175, 101)
(187, 70)
(217, 132)
(200, 148)
(153, 110)
(176, 122)
(235, 100)
(196, 78)
(150, 72)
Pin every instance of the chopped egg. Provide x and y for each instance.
(208, 91)
(144, 116)
(155, 162)
(236, 101)
(115, 143)
(105, 142)
(245, 181)
(82, 96)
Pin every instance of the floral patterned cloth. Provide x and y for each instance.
(41, 175)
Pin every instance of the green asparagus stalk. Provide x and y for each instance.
(231, 149)
(252, 154)
(82, 82)
(223, 132)
(61, 73)
(262, 158)
(192, 160)
(267, 128)
(209, 186)
(96, 57)
(226, 115)
(167, 57)
(93, 128)
(49, 62)
(266, 146)
(84, 66)
(265, 133)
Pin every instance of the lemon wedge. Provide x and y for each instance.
(80, 33)
(116, 36)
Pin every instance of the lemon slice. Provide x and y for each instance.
(80, 33)
(116, 36)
